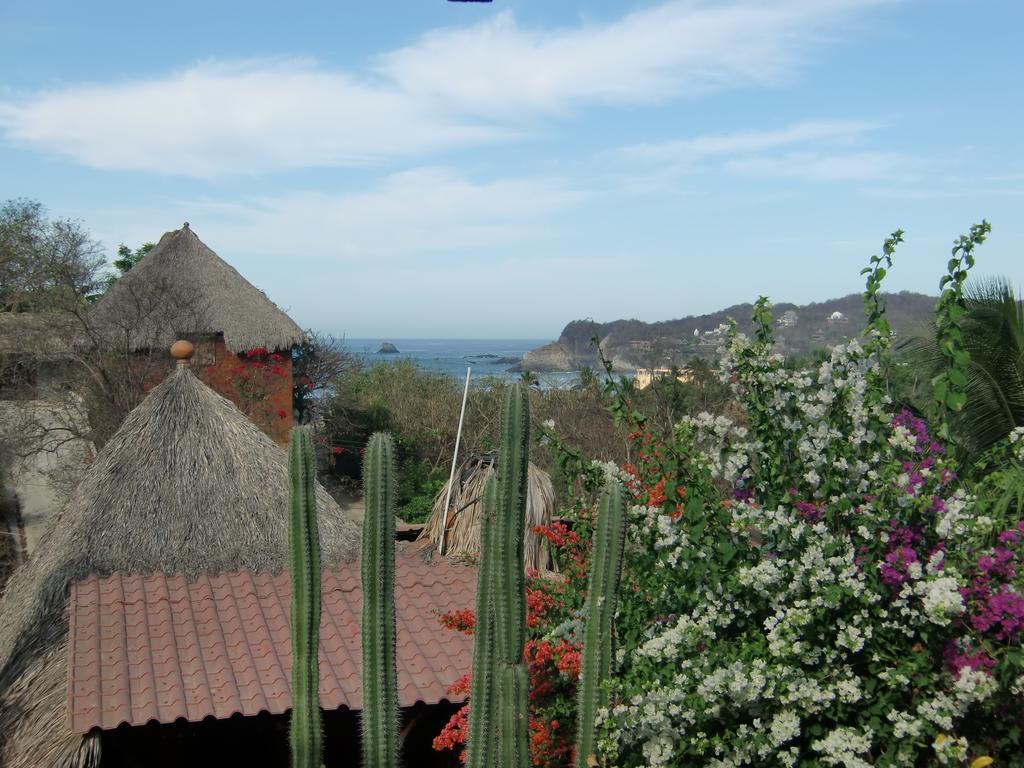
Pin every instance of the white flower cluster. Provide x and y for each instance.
(1017, 442)
(940, 598)
(611, 471)
(722, 445)
(956, 520)
(799, 626)
(845, 747)
(823, 416)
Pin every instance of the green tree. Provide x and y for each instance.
(993, 330)
(45, 264)
(127, 258)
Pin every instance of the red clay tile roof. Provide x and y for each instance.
(144, 648)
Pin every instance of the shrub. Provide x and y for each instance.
(814, 585)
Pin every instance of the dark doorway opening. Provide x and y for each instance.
(262, 740)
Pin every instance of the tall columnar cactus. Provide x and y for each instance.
(480, 746)
(499, 712)
(304, 558)
(602, 596)
(380, 685)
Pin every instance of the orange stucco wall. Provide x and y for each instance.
(267, 400)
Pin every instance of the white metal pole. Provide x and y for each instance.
(455, 463)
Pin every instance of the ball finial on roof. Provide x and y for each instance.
(185, 225)
(182, 350)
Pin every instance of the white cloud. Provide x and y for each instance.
(673, 48)
(451, 87)
(422, 211)
(821, 150)
(746, 142)
(218, 118)
(428, 251)
(818, 166)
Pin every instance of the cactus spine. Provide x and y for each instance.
(304, 558)
(499, 710)
(602, 596)
(380, 685)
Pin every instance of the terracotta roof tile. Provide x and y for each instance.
(157, 648)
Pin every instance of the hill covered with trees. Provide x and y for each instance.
(800, 330)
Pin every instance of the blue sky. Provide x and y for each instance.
(427, 168)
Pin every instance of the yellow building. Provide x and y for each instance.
(646, 376)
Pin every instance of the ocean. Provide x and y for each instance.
(487, 357)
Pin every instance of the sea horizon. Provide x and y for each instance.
(451, 356)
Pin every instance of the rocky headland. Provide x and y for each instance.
(799, 330)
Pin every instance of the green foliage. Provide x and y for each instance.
(304, 561)
(949, 387)
(46, 264)
(993, 343)
(418, 485)
(380, 684)
(878, 329)
(994, 337)
(819, 583)
(761, 316)
(127, 258)
(421, 411)
(602, 599)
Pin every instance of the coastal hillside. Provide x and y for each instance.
(800, 330)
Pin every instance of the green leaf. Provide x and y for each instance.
(956, 400)
(726, 551)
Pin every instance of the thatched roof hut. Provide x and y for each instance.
(463, 524)
(187, 485)
(181, 288)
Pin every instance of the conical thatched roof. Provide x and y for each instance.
(182, 288)
(187, 484)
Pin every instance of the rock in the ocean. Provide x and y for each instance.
(387, 348)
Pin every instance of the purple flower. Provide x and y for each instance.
(1001, 614)
(961, 655)
(1008, 537)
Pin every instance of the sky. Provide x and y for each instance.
(428, 168)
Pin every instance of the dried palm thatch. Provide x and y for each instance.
(463, 526)
(187, 484)
(181, 288)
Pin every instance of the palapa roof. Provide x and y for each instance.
(187, 485)
(158, 648)
(181, 288)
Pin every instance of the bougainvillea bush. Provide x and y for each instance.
(815, 584)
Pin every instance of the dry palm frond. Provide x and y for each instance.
(463, 525)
